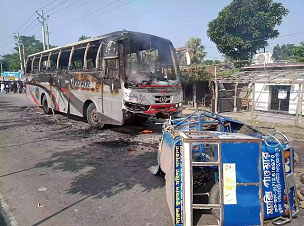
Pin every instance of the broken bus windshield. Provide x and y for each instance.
(149, 63)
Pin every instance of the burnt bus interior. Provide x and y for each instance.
(151, 61)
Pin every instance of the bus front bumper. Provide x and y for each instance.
(154, 110)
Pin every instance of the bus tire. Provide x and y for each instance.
(214, 198)
(93, 118)
(45, 105)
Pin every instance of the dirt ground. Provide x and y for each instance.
(55, 170)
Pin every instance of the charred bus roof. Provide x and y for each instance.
(117, 35)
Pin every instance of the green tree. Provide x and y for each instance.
(83, 37)
(244, 26)
(298, 52)
(211, 62)
(31, 45)
(283, 52)
(194, 74)
(196, 71)
(196, 50)
(11, 62)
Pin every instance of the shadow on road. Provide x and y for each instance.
(112, 168)
(60, 211)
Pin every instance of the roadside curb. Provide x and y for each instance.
(6, 213)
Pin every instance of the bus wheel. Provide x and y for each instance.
(45, 105)
(93, 118)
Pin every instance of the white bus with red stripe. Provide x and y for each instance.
(109, 79)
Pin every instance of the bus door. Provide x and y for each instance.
(112, 89)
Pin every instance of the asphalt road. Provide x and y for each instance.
(57, 171)
(63, 173)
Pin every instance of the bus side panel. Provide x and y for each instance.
(59, 101)
(36, 87)
(111, 104)
(83, 86)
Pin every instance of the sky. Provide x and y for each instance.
(177, 20)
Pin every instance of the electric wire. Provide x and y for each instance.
(55, 7)
(24, 30)
(68, 6)
(47, 5)
(118, 7)
(31, 28)
(26, 22)
(98, 9)
(101, 8)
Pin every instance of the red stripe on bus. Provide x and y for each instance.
(147, 86)
(34, 98)
(65, 91)
(167, 108)
(54, 100)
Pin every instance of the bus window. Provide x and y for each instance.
(77, 59)
(64, 59)
(99, 56)
(29, 65)
(53, 62)
(112, 69)
(36, 64)
(91, 56)
(111, 60)
(111, 50)
(44, 62)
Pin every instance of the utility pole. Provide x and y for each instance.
(216, 91)
(17, 38)
(42, 20)
(23, 54)
(1, 65)
(47, 37)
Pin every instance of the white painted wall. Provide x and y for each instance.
(294, 94)
(262, 97)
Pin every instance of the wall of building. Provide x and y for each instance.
(262, 97)
(294, 94)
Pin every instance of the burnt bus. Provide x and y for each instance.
(109, 79)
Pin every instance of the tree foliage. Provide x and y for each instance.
(194, 74)
(196, 71)
(196, 50)
(31, 45)
(211, 62)
(11, 62)
(83, 37)
(244, 26)
(283, 52)
(298, 52)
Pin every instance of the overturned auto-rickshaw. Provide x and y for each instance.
(220, 171)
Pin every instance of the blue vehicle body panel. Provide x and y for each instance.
(255, 163)
(246, 157)
(247, 210)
